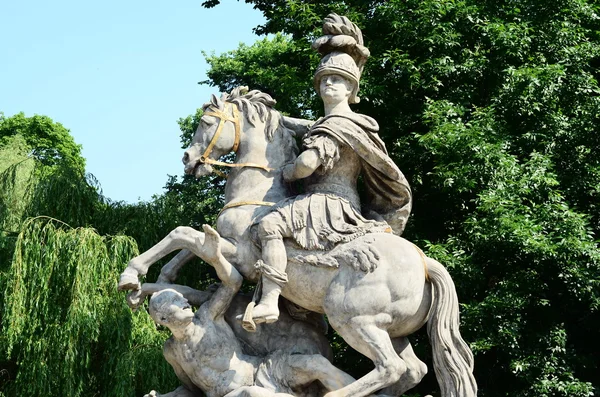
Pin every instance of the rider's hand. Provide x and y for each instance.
(153, 393)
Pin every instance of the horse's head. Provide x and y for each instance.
(224, 128)
(218, 134)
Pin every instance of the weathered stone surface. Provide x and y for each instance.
(210, 352)
(346, 257)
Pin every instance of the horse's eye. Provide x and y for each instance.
(207, 121)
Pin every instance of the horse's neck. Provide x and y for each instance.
(253, 184)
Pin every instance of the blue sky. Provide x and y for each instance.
(118, 74)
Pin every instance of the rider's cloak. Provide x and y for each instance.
(386, 189)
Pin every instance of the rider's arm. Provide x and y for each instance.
(304, 166)
(321, 149)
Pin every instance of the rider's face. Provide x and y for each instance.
(335, 88)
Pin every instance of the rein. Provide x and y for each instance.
(242, 203)
(223, 118)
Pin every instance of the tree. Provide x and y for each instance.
(491, 108)
(64, 328)
(48, 141)
(277, 65)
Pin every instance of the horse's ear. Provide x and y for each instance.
(216, 102)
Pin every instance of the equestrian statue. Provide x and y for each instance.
(329, 250)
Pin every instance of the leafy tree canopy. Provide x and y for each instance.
(277, 65)
(48, 141)
(64, 328)
(492, 110)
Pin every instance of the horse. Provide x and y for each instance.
(373, 302)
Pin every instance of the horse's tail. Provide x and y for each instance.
(452, 358)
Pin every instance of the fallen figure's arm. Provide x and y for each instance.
(194, 297)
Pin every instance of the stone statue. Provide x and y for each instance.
(337, 149)
(344, 255)
(204, 346)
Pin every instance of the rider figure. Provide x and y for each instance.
(337, 149)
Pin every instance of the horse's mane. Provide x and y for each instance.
(252, 104)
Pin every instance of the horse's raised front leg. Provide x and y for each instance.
(182, 237)
(169, 272)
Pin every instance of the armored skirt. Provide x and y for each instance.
(320, 221)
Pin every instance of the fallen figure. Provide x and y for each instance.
(209, 354)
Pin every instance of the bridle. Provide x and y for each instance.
(224, 117)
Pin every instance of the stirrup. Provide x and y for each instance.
(248, 321)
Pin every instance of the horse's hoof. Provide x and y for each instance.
(129, 282)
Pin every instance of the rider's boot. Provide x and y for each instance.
(267, 311)
(273, 277)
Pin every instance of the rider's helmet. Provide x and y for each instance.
(342, 64)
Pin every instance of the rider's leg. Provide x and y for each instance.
(271, 231)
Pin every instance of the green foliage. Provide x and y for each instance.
(66, 327)
(491, 109)
(48, 141)
(13, 150)
(278, 66)
(15, 174)
(31, 189)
